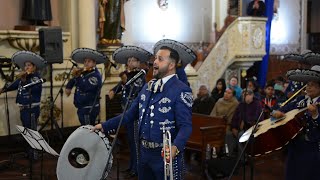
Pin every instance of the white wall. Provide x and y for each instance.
(184, 21)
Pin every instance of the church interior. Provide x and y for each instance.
(227, 41)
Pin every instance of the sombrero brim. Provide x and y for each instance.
(186, 54)
(80, 54)
(293, 57)
(302, 75)
(21, 57)
(312, 58)
(122, 54)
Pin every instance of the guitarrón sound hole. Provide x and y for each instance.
(78, 158)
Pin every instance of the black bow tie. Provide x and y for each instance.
(155, 85)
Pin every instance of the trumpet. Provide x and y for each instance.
(166, 153)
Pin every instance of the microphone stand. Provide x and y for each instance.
(53, 101)
(6, 103)
(245, 147)
(104, 175)
(99, 91)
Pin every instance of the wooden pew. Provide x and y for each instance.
(206, 130)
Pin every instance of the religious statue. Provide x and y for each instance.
(37, 11)
(111, 21)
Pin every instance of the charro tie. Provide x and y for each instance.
(155, 85)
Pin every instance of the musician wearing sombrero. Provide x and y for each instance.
(87, 82)
(303, 161)
(165, 103)
(186, 56)
(132, 56)
(28, 97)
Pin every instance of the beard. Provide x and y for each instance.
(159, 73)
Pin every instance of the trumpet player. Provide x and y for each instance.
(164, 100)
(87, 83)
(28, 99)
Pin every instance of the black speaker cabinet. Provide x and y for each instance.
(51, 48)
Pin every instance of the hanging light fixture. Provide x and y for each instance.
(163, 4)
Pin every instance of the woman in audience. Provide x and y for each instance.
(253, 85)
(226, 107)
(218, 91)
(233, 83)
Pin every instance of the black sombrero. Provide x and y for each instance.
(21, 57)
(186, 54)
(305, 75)
(80, 54)
(122, 54)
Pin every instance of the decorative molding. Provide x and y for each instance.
(25, 40)
(242, 43)
(277, 49)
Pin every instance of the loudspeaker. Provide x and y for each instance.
(51, 47)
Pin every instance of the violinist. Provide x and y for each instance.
(132, 56)
(28, 99)
(87, 82)
(303, 161)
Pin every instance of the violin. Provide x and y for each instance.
(23, 74)
(79, 71)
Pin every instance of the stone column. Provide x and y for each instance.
(87, 23)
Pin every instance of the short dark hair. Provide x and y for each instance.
(173, 54)
(269, 85)
(232, 90)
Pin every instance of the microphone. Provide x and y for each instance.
(137, 76)
(39, 81)
(74, 64)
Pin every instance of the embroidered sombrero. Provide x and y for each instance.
(312, 58)
(122, 54)
(305, 75)
(80, 54)
(293, 57)
(186, 54)
(21, 57)
(309, 58)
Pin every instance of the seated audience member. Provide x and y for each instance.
(279, 90)
(269, 101)
(246, 115)
(218, 91)
(256, 8)
(226, 107)
(203, 104)
(233, 83)
(253, 85)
